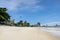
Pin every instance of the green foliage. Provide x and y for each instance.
(28, 24)
(20, 23)
(4, 16)
(25, 23)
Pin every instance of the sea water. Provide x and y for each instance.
(53, 30)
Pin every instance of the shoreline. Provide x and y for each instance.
(25, 33)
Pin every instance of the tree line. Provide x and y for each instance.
(5, 20)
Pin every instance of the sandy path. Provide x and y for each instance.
(26, 33)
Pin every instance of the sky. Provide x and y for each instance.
(33, 11)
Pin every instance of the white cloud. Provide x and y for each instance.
(11, 5)
(52, 23)
(20, 4)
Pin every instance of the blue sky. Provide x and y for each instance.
(33, 11)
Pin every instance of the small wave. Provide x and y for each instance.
(53, 30)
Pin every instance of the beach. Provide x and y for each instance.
(25, 33)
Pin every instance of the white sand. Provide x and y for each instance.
(24, 33)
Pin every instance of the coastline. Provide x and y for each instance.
(24, 33)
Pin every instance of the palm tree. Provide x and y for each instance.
(4, 16)
(20, 23)
(26, 24)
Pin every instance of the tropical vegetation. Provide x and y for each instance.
(4, 16)
(23, 23)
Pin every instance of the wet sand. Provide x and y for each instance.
(24, 33)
